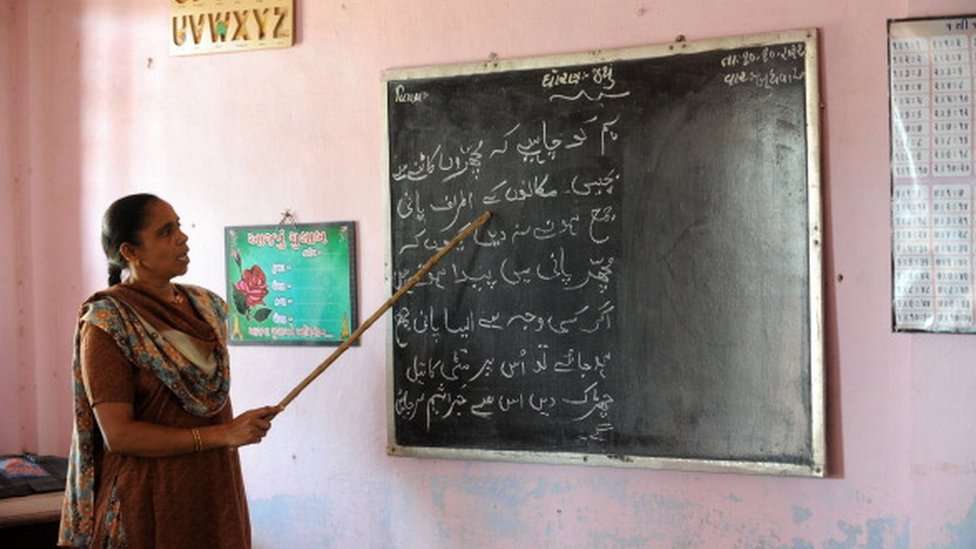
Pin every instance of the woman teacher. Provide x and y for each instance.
(153, 460)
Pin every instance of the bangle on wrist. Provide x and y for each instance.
(197, 441)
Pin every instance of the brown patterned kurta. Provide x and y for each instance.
(191, 500)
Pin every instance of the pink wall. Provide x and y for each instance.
(9, 394)
(236, 139)
(18, 429)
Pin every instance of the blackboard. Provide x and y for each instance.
(648, 291)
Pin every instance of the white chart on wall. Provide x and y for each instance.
(932, 63)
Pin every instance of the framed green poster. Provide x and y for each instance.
(291, 284)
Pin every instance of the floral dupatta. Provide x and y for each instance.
(143, 346)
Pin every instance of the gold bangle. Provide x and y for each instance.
(197, 442)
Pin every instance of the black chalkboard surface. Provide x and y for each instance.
(647, 292)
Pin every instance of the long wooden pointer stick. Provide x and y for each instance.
(417, 277)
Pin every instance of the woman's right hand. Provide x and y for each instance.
(250, 427)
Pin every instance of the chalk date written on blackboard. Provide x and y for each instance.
(788, 52)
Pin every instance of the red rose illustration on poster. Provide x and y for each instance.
(253, 285)
(250, 290)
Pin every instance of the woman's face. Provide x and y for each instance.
(162, 252)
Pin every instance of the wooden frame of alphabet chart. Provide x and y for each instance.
(931, 63)
(649, 290)
(220, 26)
